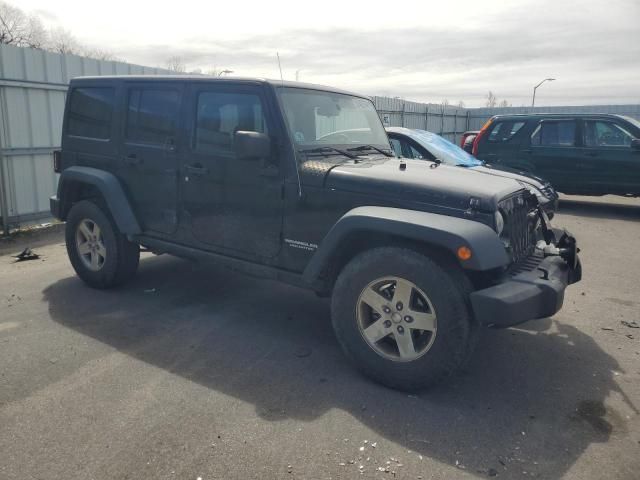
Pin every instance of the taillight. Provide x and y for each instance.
(57, 157)
(481, 133)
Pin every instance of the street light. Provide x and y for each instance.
(533, 102)
(224, 72)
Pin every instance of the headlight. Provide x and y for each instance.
(539, 195)
(499, 218)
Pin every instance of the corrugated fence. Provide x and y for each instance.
(445, 120)
(33, 85)
(477, 116)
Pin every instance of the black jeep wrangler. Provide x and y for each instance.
(298, 183)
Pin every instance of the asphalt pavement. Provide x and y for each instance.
(193, 371)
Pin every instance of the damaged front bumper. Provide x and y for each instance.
(532, 293)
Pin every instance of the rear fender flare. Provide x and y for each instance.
(109, 187)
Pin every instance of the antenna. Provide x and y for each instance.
(280, 67)
(293, 150)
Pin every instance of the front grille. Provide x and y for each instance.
(527, 264)
(518, 234)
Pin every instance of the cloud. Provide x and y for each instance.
(458, 53)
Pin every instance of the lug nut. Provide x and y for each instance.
(400, 329)
(408, 319)
(399, 306)
(386, 309)
(387, 323)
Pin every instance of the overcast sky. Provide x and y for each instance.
(422, 50)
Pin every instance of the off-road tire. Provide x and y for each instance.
(122, 258)
(448, 290)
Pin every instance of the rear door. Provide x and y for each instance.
(609, 163)
(148, 159)
(553, 154)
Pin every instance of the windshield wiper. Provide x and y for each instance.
(328, 150)
(386, 153)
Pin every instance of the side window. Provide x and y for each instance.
(90, 111)
(503, 131)
(395, 145)
(554, 134)
(415, 153)
(152, 115)
(605, 134)
(220, 115)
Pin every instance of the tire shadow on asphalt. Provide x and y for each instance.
(532, 399)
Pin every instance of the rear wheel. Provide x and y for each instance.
(101, 256)
(402, 318)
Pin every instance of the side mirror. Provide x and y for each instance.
(252, 145)
(635, 144)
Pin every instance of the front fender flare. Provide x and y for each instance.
(110, 188)
(451, 233)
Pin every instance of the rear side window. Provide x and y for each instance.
(90, 111)
(152, 115)
(503, 131)
(220, 115)
(555, 134)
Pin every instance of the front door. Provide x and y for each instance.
(231, 204)
(148, 164)
(502, 144)
(553, 152)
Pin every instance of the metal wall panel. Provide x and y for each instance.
(447, 121)
(478, 116)
(33, 87)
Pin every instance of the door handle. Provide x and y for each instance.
(132, 159)
(197, 170)
(527, 150)
(592, 154)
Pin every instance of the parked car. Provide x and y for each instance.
(466, 142)
(584, 154)
(420, 144)
(254, 175)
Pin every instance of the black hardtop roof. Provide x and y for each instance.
(211, 79)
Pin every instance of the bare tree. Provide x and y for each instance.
(19, 29)
(504, 104)
(62, 41)
(445, 103)
(460, 104)
(175, 64)
(22, 30)
(492, 100)
(100, 54)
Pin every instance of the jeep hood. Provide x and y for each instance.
(422, 181)
(507, 172)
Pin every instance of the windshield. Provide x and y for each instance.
(447, 152)
(631, 120)
(319, 119)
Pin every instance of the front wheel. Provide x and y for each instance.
(402, 318)
(101, 255)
